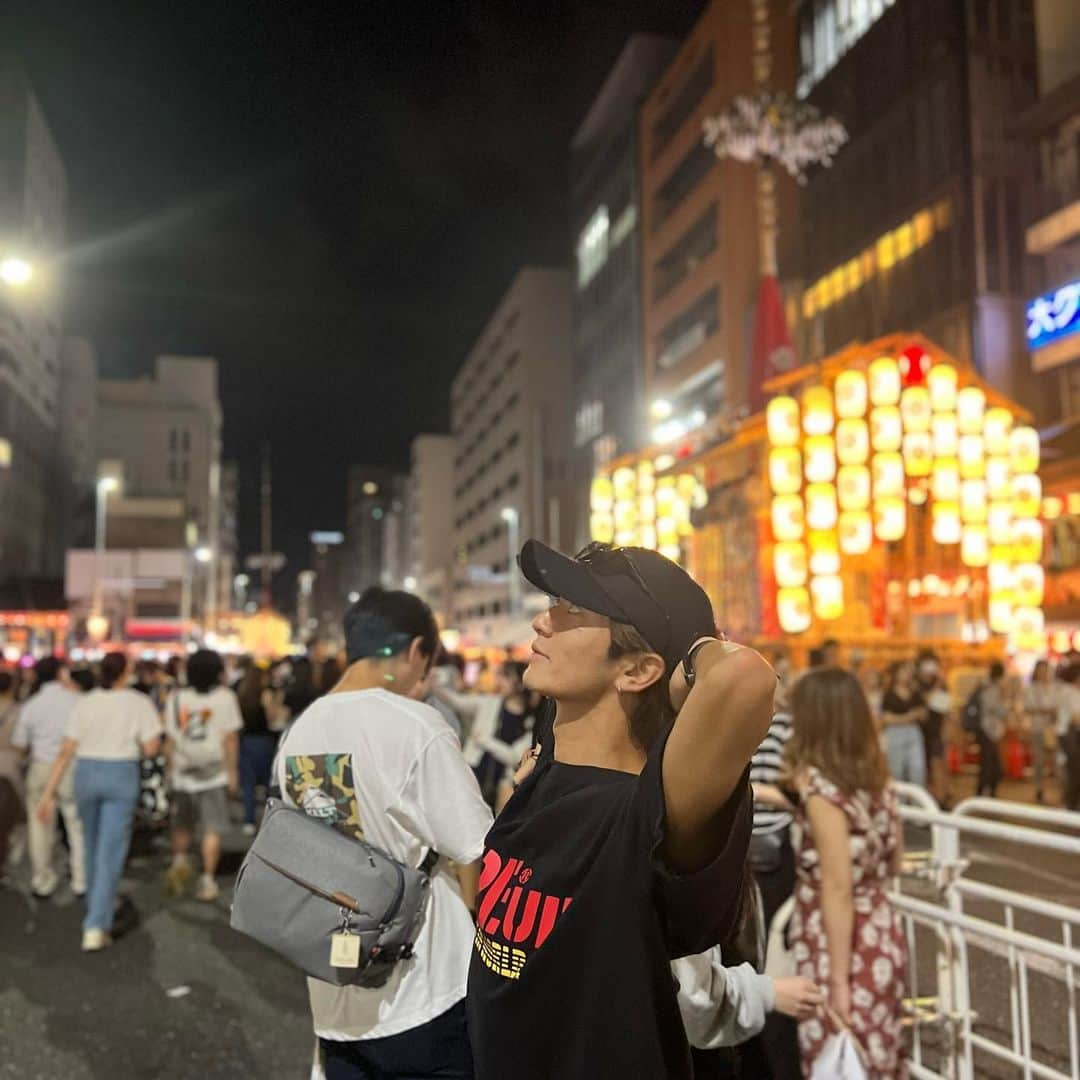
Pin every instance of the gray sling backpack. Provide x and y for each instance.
(342, 910)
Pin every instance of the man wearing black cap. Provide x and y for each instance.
(625, 845)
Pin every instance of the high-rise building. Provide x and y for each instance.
(397, 542)
(431, 507)
(33, 210)
(700, 228)
(77, 444)
(513, 433)
(605, 215)
(918, 224)
(370, 492)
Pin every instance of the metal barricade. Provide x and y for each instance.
(955, 930)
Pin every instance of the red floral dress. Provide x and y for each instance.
(879, 950)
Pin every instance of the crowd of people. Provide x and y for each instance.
(640, 790)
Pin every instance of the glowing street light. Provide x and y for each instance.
(510, 515)
(203, 554)
(15, 271)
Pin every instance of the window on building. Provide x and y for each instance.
(686, 253)
(827, 30)
(686, 176)
(592, 246)
(186, 440)
(688, 331)
(683, 102)
(588, 422)
(174, 439)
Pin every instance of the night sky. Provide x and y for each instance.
(330, 202)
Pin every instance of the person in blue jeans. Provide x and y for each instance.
(902, 714)
(258, 743)
(109, 731)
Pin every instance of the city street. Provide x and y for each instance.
(183, 995)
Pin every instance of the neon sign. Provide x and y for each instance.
(1054, 315)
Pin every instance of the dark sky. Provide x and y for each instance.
(328, 200)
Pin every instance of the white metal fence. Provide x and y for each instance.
(946, 1028)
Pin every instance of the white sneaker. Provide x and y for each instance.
(249, 830)
(207, 889)
(95, 940)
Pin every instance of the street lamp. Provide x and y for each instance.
(203, 554)
(512, 518)
(15, 271)
(105, 485)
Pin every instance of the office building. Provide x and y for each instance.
(918, 224)
(33, 209)
(605, 201)
(370, 492)
(431, 513)
(513, 435)
(700, 229)
(77, 444)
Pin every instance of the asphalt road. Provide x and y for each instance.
(182, 996)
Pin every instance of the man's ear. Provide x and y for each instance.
(416, 655)
(641, 672)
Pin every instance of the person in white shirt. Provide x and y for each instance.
(109, 731)
(202, 725)
(374, 764)
(40, 731)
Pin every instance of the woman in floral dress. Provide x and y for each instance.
(844, 933)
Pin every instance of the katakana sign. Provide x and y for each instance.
(1054, 315)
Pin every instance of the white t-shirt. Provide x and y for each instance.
(391, 769)
(111, 725)
(197, 724)
(43, 721)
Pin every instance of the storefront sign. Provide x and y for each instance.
(1053, 316)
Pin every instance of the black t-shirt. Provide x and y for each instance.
(578, 918)
(893, 703)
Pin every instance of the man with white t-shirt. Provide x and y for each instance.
(40, 731)
(202, 722)
(374, 764)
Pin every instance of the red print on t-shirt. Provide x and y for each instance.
(512, 922)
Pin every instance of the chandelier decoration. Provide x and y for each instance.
(769, 126)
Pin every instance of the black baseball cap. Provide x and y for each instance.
(628, 584)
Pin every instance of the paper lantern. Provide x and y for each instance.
(998, 478)
(782, 421)
(917, 494)
(945, 434)
(793, 610)
(946, 529)
(970, 407)
(852, 442)
(1024, 450)
(945, 480)
(820, 459)
(999, 520)
(602, 527)
(884, 381)
(1001, 614)
(647, 537)
(788, 518)
(856, 532)
(1030, 581)
(1028, 622)
(971, 457)
(941, 382)
(974, 546)
(918, 453)
(828, 594)
(973, 505)
(646, 510)
(820, 507)
(999, 575)
(1026, 495)
(1052, 508)
(850, 393)
(915, 408)
(1027, 540)
(853, 487)
(789, 564)
(890, 519)
(785, 470)
(888, 473)
(601, 495)
(817, 411)
(624, 482)
(824, 553)
(625, 514)
(671, 551)
(886, 428)
(997, 424)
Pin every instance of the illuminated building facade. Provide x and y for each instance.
(918, 223)
(700, 228)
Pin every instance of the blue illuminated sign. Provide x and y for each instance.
(1054, 315)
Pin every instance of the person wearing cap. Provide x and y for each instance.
(625, 845)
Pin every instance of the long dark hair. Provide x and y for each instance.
(249, 690)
